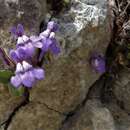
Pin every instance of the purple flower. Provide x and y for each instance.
(17, 31)
(25, 48)
(26, 75)
(49, 44)
(52, 26)
(98, 63)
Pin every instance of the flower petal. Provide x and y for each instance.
(38, 73)
(52, 26)
(13, 31)
(38, 44)
(35, 38)
(14, 55)
(28, 79)
(19, 68)
(22, 53)
(26, 66)
(16, 81)
(46, 33)
(54, 47)
(20, 40)
(30, 50)
(25, 38)
(20, 30)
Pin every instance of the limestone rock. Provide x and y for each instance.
(30, 13)
(121, 118)
(93, 116)
(83, 30)
(36, 116)
(121, 89)
(7, 104)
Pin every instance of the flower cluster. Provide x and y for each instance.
(27, 71)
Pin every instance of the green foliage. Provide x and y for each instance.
(16, 91)
(5, 76)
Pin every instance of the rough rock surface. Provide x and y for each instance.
(7, 104)
(83, 30)
(121, 89)
(69, 78)
(36, 116)
(93, 116)
(30, 13)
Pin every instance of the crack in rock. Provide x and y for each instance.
(48, 107)
(94, 92)
(24, 101)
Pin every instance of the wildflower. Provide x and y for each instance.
(26, 75)
(98, 63)
(52, 26)
(17, 31)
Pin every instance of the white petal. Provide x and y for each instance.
(19, 68)
(20, 40)
(25, 38)
(52, 35)
(26, 66)
(45, 33)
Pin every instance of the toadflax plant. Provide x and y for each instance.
(25, 61)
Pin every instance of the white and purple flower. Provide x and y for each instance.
(26, 75)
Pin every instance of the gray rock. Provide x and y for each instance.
(121, 89)
(7, 104)
(121, 118)
(79, 24)
(69, 78)
(94, 116)
(36, 116)
(30, 13)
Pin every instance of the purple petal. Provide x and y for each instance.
(52, 26)
(14, 55)
(54, 47)
(13, 31)
(46, 43)
(28, 79)
(20, 30)
(30, 50)
(39, 73)
(22, 53)
(16, 81)
(98, 63)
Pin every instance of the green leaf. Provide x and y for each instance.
(5, 76)
(16, 91)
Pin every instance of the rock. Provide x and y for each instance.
(30, 13)
(121, 89)
(83, 30)
(80, 24)
(121, 118)
(36, 116)
(7, 104)
(94, 116)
